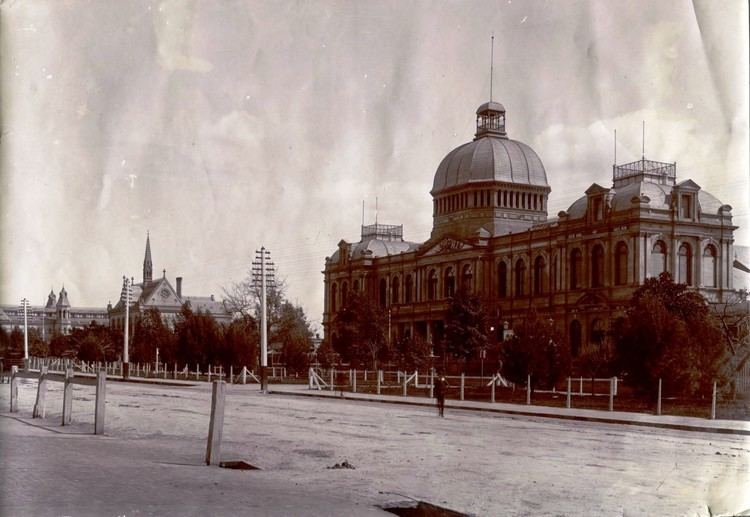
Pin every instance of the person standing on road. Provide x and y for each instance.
(440, 387)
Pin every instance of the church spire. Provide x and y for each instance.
(147, 266)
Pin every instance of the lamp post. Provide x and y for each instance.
(25, 307)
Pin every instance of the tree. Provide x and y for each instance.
(198, 337)
(466, 325)
(536, 348)
(292, 330)
(326, 355)
(361, 328)
(240, 343)
(412, 352)
(734, 318)
(669, 332)
(150, 333)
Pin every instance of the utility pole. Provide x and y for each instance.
(25, 307)
(127, 289)
(263, 268)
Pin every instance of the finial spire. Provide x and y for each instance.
(492, 62)
(147, 265)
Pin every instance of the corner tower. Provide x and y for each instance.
(492, 183)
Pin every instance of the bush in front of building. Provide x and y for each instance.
(670, 333)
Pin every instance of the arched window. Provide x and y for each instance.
(538, 276)
(575, 269)
(554, 274)
(449, 283)
(466, 277)
(502, 280)
(709, 267)
(344, 293)
(520, 277)
(383, 292)
(575, 338)
(621, 264)
(334, 291)
(658, 258)
(356, 286)
(685, 264)
(408, 288)
(432, 285)
(598, 332)
(597, 266)
(395, 288)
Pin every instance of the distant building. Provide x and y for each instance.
(491, 233)
(56, 317)
(160, 294)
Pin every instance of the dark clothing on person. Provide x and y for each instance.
(440, 388)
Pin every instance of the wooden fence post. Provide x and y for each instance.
(67, 416)
(431, 378)
(13, 389)
(354, 381)
(405, 389)
(197, 372)
(41, 394)
(462, 385)
(658, 399)
(101, 395)
(612, 394)
(377, 374)
(216, 424)
(494, 383)
(567, 399)
(209, 373)
(333, 371)
(528, 390)
(713, 403)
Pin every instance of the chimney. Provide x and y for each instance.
(179, 287)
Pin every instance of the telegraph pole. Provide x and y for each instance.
(262, 270)
(127, 288)
(25, 307)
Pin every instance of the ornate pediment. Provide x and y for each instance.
(592, 299)
(445, 245)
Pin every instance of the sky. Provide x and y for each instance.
(221, 127)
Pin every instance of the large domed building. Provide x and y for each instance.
(491, 233)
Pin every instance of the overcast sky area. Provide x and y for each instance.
(224, 126)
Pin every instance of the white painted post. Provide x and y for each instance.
(432, 383)
(231, 374)
(616, 385)
(310, 378)
(494, 383)
(612, 394)
(41, 394)
(175, 371)
(377, 374)
(528, 390)
(713, 403)
(244, 375)
(580, 385)
(197, 371)
(365, 378)
(404, 385)
(658, 399)
(165, 370)
(209, 373)
(567, 399)
(331, 386)
(101, 386)
(354, 381)
(462, 385)
(13, 389)
(216, 424)
(67, 417)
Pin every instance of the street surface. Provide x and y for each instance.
(149, 461)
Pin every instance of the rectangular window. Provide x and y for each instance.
(687, 206)
(597, 209)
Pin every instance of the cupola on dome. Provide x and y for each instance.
(491, 156)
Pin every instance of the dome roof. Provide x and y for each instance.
(490, 159)
(490, 106)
